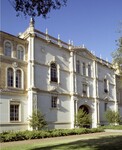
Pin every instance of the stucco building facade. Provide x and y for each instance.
(38, 71)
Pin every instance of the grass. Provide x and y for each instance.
(114, 127)
(105, 141)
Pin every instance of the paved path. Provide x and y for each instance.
(62, 139)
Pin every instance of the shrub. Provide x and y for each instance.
(25, 135)
(112, 117)
(82, 119)
(37, 121)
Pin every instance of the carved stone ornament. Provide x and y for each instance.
(14, 64)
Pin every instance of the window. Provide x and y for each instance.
(89, 70)
(54, 102)
(78, 66)
(105, 106)
(18, 79)
(20, 53)
(84, 89)
(10, 77)
(54, 72)
(84, 69)
(14, 112)
(8, 49)
(105, 86)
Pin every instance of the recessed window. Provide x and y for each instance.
(8, 49)
(14, 78)
(84, 69)
(54, 72)
(14, 112)
(18, 79)
(10, 77)
(84, 89)
(105, 106)
(20, 53)
(78, 66)
(105, 86)
(54, 102)
(89, 70)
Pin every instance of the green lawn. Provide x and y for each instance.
(86, 142)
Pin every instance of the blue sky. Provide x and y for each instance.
(94, 23)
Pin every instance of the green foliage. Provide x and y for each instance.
(35, 8)
(37, 121)
(117, 55)
(82, 119)
(26, 135)
(112, 117)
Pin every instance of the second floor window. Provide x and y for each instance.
(54, 72)
(18, 79)
(20, 53)
(105, 86)
(78, 66)
(8, 49)
(84, 69)
(10, 77)
(89, 70)
(84, 89)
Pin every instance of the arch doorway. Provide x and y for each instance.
(85, 108)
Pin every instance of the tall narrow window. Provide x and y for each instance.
(78, 66)
(14, 112)
(54, 72)
(8, 49)
(84, 69)
(89, 70)
(54, 102)
(20, 53)
(10, 77)
(105, 106)
(105, 86)
(84, 89)
(18, 79)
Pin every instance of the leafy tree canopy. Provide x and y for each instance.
(117, 55)
(35, 8)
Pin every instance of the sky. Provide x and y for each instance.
(94, 23)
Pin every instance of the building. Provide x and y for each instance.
(38, 71)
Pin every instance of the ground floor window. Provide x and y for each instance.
(54, 101)
(14, 112)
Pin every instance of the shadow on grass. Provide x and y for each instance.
(103, 143)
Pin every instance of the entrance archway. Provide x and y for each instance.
(85, 108)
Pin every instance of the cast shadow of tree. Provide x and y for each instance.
(103, 143)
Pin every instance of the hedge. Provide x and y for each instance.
(26, 135)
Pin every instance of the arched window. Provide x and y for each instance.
(20, 53)
(54, 72)
(18, 79)
(8, 48)
(10, 77)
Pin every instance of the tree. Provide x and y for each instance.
(37, 120)
(35, 8)
(82, 119)
(117, 55)
(112, 117)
